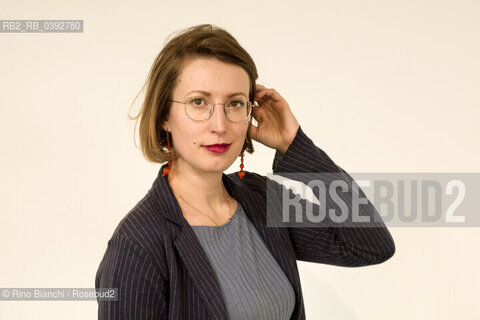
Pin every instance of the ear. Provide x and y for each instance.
(165, 125)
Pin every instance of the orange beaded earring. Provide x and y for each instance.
(241, 173)
(166, 170)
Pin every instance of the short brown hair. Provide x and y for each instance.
(203, 40)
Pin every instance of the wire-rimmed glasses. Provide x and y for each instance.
(200, 109)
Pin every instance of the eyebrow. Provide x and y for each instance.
(208, 93)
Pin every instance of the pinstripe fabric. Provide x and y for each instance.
(162, 272)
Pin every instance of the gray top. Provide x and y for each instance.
(253, 284)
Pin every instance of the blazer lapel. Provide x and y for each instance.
(192, 253)
(201, 271)
(189, 249)
(255, 207)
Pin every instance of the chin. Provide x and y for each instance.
(217, 166)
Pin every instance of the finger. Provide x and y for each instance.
(260, 95)
(259, 88)
(270, 94)
(260, 114)
(253, 131)
(264, 93)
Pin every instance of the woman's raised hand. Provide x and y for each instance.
(277, 126)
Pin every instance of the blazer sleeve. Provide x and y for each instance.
(347, 244)
(141, 289)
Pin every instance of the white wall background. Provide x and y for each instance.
(381, 86)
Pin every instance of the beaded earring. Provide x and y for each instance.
(166, 170)
(241, 173)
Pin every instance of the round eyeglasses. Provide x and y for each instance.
(200, 109)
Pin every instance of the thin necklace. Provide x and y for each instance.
(228, 202)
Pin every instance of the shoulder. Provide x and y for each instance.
(143, 227)
(251, 181)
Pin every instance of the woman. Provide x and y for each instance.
(197, 246)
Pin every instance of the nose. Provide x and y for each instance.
(219, 118)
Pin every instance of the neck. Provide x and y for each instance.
(204, 190)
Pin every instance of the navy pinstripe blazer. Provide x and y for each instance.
(162, 272)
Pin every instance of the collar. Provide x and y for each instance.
(191, 252)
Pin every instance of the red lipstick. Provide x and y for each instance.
(218, 148)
